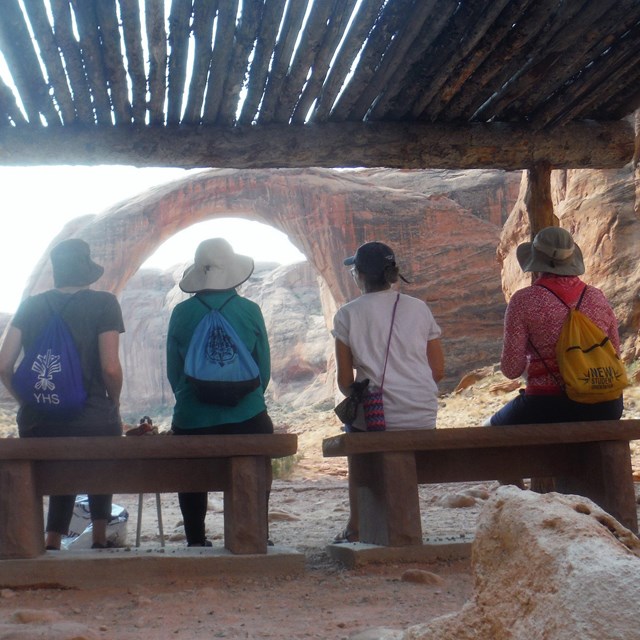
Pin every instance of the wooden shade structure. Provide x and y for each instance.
(334, 83)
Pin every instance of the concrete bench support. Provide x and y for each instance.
(591, 459)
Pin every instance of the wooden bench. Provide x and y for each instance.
(34, 467)
(591, 459)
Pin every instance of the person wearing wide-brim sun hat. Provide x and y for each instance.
(533, 321)
(213, 277)
(94, 319)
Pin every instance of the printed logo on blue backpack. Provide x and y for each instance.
(218, 364)
(49, 376)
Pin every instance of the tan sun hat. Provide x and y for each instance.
(216, 268)
(552, 251)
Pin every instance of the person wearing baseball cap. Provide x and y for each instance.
(392, 340)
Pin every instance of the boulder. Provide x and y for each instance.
(546, 566)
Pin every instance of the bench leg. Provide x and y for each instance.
(245, 505)
(606, 478)
(387, 498)
(21, 519)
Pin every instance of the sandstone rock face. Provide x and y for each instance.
(444, 226)
(546, 566)
(446, 251)
(601, 209)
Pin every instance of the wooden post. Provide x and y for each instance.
(537, 198)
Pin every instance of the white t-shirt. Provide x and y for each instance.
(409, 391)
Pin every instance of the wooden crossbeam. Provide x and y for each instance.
(395, 145)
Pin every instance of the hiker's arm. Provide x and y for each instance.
(513, 360)
(435, 356)
(262, 353)
(344, 367)
(108, 343)
(9, 353)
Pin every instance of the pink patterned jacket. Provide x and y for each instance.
(535, 315)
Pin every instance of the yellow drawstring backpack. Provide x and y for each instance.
(588, 362)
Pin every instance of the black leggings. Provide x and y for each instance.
(61, 511)
(194, 505)
(61, 507)
(533, 409)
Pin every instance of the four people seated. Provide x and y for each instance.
(387, 345)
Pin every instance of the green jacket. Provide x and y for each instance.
(246, 318)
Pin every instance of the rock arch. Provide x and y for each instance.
(444, 250)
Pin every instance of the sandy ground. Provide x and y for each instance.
(307, 509)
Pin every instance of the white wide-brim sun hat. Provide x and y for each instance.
(216, 267)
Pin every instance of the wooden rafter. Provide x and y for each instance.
(132, 30)
(157, 46)
(431, 28)
(49, 50)
(74, 65)
(261, 58)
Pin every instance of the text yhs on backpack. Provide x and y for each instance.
(49, 377)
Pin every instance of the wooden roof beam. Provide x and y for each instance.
(51, 57)
(132, 31)
(261, 59)
(74, 67)
(157, 45)
(246, 34)
(505, 146)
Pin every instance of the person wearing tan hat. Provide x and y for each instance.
(213, 277)
(94, 319)
(533, 321)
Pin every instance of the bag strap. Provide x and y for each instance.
(386, 357)
(233, 295)
(63, 306)
(558, 381)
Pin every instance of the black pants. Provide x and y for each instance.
(61, 507)
(524, 409)
(194, 505)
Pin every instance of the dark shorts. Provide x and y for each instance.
(524, 409)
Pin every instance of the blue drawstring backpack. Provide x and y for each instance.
(218, 364)
(49, 376)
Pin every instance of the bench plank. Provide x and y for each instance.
(481, 437)
(591, 459)
(276, 445)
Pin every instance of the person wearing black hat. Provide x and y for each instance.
(94, 319)
(391, 339)
(532, 325)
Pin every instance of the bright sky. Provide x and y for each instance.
(36, 202)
